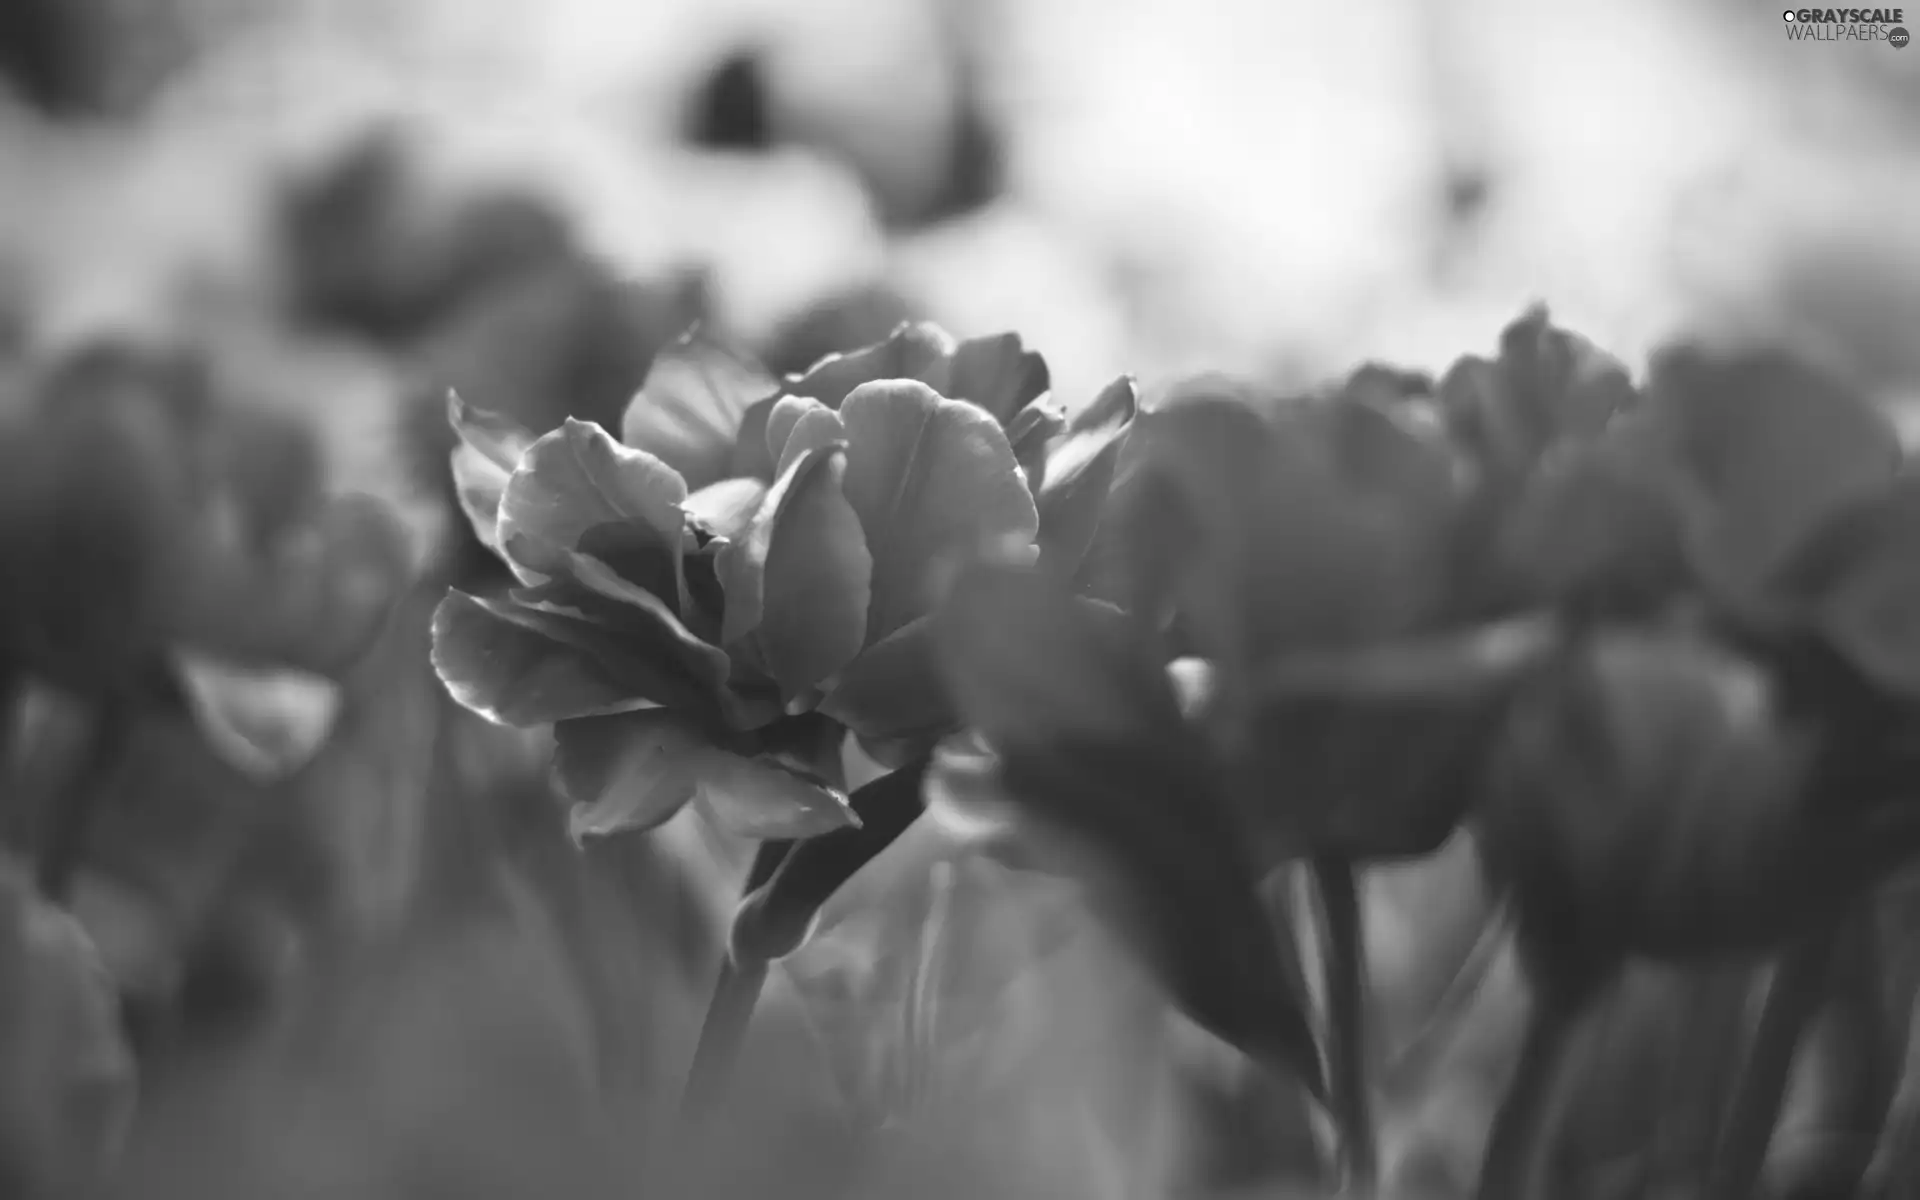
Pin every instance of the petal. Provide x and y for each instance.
(1594, 528)
(725, 509)
(1091, 741)
(1079, 473)
(998, 373)
(490, 446)
(496, 439)
(1030, 433)
(911, 352)
(578, 478)
(786, 412)
(892, 690)
(797, 581)
(265, 724)
(934, 482)
(1376, 754)
(521, 666)
(1764, 447)
(815, 428)
(690, 410)
(317, 604)
(634, 771)
(1857, 576)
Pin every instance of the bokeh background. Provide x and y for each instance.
(347, 205)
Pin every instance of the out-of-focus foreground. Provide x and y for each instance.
(354, 950)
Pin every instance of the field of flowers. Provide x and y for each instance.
(887, 599)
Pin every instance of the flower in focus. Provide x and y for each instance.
(705, 608)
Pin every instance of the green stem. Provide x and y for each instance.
(736, 993)
(1346, 968)
(1516, 1156)
(1799, 983)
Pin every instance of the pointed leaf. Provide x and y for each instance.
(797, 581)
(265, 724)
(691, 408)
(634, 771)
(998, 373)
(892, 689)
(911, 352)
(1079, 473)
(1765, 447)
(1091, 741)
(578, 478)
(934, 482)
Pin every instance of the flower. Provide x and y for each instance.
(703, 607)
(161, 537)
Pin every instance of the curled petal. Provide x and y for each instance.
(632, 772)
(578, 478)
(692, 407)
(797, 580)
(934, 482)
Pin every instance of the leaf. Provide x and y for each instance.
(1091, 741)
(1078, 474)
(1764, 447)
(1856, 576)
(578, 478)
(910, 352)
(934, 482)
(522, 666)
(692, 407)
(266, 724)
(797, 580)
(892, 689)
(632, 772)
(998, 373)
(778, 917)
(1316, 780)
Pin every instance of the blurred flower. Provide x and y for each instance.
(67, 1083)
(157, 531)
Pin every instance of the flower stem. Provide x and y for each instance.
(1799, 982)
(72, 817)
(736, 993)
(1346, 985)
(1516, 1153)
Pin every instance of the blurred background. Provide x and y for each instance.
(405, 982)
